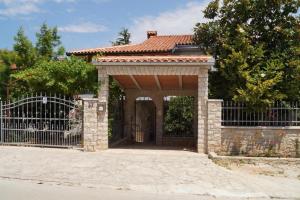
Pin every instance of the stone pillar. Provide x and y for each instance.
(159, 103)
(202, 111)
(92, 139)
(102, 109)
(214, 113)
(95, 117)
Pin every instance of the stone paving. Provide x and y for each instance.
(153, 171)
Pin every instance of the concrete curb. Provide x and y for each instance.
(253, 160)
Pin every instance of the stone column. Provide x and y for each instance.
(91, 136)
(90, 127)
(202, 111)
(102, 112)
(214, 113)
(95, 117)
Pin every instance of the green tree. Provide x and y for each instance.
(48, 41)
(124, 37)
(179, 116)
(7, 58)
(70, 77)
(61, 51)
(256, 47)
(24, 49)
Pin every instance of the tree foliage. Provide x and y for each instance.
(124, 37)
(179, 116)
(25, 55)
(70, 77)
(47, 42)
(25, 50)
(7, 58)
(256, 47)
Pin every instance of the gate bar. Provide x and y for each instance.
(1, 131)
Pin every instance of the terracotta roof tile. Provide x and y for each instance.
(152, 45)
(153, 59)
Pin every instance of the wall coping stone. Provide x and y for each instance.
(215, 100)
(263, 127)
(89, 99)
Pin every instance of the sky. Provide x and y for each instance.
(95, 23)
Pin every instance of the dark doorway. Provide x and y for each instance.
(145, 120)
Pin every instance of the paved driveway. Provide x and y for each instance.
(151, 171)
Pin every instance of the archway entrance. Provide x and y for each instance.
(145, 121)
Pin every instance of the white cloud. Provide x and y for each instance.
(25, 7)
(7, 2)
(85, 27)
(179, 21)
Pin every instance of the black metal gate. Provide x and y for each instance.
(145, 119)
(116, 120)
(41, 120)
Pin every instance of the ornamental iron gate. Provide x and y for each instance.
(41, 120)
(116, 120)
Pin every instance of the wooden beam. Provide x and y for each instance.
(157, 82)
(180, 81)
(135, 82)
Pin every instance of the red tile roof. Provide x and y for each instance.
(153, 59)
(155, 44)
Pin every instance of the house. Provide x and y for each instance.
(161, 66)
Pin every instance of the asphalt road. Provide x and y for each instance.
(28, 190)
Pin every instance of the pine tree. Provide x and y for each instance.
(24, 49)
(124, 38)
(47, 42)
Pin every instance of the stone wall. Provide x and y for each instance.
(261, 141)
(214, 114)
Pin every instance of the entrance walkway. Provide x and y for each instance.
(141, 170)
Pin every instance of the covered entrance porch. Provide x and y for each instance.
(146, 109)
(155, 81)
